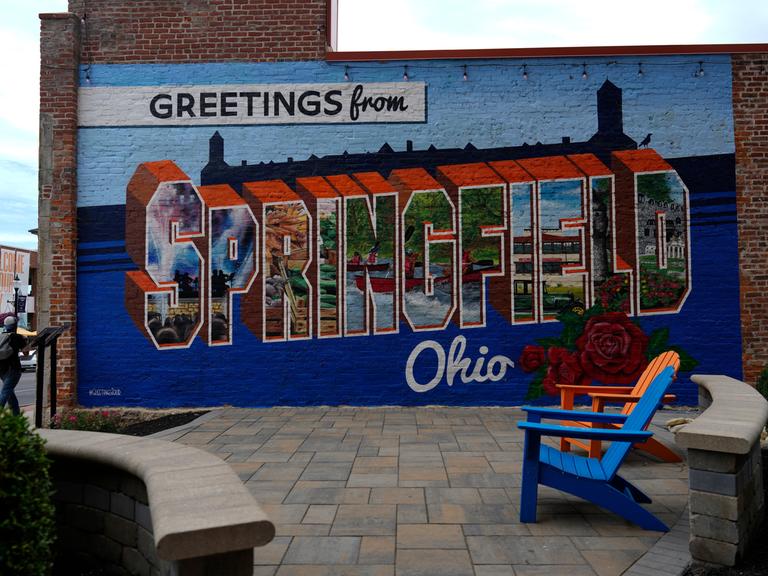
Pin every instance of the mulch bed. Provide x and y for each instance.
(147, 427)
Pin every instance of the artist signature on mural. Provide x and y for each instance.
(105, 392)
(455, 363)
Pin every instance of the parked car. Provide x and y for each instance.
(28, 360)
(554, 303)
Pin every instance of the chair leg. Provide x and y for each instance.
(529, 493)
(565, 445)
(595, 449)
(659, 450)
(606, 496)
(529, 497)
(620, 504)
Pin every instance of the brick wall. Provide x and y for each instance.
(135, 31)
(56, 300)
(147, 31)
(750, 110)
(201, 30)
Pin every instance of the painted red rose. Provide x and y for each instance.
(612, 349)
(532, 358)
(564, 368)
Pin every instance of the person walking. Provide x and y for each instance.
(10, 365)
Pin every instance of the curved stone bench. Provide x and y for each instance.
(203, 519)
(733, 420)
(725, 473)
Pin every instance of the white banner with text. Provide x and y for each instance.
(252, 104)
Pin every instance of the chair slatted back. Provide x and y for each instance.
(654, 368)
(638, 420)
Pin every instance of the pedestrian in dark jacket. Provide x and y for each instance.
(10, 368)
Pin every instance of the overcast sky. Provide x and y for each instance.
(376, 25)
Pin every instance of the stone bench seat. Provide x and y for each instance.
(199, 507)
(725, 474)
(733, 420)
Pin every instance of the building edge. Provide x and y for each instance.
(750, 102)
(57, 191)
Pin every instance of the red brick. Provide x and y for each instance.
(750, 101)
(209, 30)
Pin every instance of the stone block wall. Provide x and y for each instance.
(726, 504)
(167, 520)
(103, 521)
(726, 479)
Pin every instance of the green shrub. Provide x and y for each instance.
(762, 383)
(91, 420)
(27, 522)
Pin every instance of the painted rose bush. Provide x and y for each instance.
(613, 294)
(598, 347)
(659, 289)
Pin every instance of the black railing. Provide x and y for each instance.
(46, 338)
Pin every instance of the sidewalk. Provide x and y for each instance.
(420, 491)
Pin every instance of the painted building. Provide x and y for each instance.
(258, 225)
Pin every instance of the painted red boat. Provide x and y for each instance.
(380, 284)
(370, 267)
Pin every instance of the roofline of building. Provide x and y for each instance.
(561, 52)
(19, 248)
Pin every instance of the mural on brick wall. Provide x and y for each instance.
(483, 271)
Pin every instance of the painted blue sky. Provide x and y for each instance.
(559, 200)
(371, 25)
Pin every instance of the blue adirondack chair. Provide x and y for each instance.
(589, 478)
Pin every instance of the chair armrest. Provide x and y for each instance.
(585, 433)
(623, 399)
(615, 397)
(587, 389)
(575, 415)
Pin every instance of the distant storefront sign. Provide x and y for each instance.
(13, 262)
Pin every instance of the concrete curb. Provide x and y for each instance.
(196, 422)
(670, 556)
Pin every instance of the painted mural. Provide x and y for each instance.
(474, 272)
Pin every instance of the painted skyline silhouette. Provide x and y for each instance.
(609, 137)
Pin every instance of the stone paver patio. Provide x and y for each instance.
(420, 491)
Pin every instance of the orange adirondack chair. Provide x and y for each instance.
(628, 395)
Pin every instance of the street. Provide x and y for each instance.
(25, 389)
